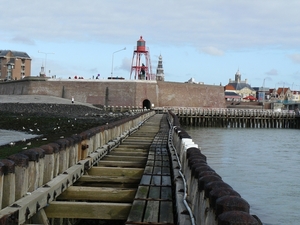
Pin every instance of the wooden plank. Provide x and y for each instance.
(166, 180)
(121, 164)
(156, 180)
(125, 149)
(166, 212)
(123, 153)
(166, 193)
(154, 193)
(146, 179)
(109, 179)
(115, 171)
(151, 212)
(157, 170)
(88, 210)
(148, 170)
(142, 192)
(137, 211)
(124, 158)
(103, 194)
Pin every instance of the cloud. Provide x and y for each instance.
(23, 40)
(213, 51)
(227, 24)
(295, 58)
(272, 72)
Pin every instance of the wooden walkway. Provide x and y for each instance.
(132, 183)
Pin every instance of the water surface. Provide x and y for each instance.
(263, 165)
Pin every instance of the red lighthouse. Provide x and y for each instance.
(141, 64)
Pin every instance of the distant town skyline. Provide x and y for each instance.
(206, 40)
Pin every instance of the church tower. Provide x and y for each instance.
(238, 76)
(160, 76)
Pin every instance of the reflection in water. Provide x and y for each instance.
(261, 164)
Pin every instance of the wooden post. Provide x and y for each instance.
(48, 163)
(8, 190)
(2, 170)
(21, 173)
(33, 169)
(55, 147)
(63, 159)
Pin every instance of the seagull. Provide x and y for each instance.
(29, 143)
(37, 129)
(24, 139)
(30, 130)
(44, 139)
(12, 143)
(24, 148)
(35, 124)
(61, 137)
(23, 128)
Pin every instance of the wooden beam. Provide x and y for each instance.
(132, 158)
(85, 210)
(98, 194)
(108, 179)
(121, 164)
(115, 171)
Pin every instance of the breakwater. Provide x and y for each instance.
(210, 200)
(36, 177)
(237, 118)
(41, 174)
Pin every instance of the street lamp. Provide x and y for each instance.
(46, 53)
(112, 61)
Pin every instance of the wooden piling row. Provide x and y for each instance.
(209, 199)
(236, 118)
(24, 173)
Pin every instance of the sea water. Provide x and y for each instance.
(263, 165)
(8, 136)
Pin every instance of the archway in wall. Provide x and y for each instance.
(146, 104)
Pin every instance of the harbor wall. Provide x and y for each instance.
(210, 199)
(127, 93)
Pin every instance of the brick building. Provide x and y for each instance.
(14, 65)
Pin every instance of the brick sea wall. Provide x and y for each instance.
(121, 92)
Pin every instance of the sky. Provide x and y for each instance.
(207, 40)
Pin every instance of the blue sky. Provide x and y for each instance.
(208, 40)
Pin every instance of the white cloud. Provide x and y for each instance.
(212, 51)
(226, 24)
(295, 58)
(272, 72)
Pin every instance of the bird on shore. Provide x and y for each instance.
(29, 143)
(44, 139)
(12, 143)
(24, 148)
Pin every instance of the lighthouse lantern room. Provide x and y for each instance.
(141, 64)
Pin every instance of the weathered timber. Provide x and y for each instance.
(88, 210)
(124, 158)
(115, 171)
(121, 164)
(237, 118)
(108, 179)
(103, 194)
